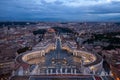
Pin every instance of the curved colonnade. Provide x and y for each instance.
(37, 56)
(92, 63)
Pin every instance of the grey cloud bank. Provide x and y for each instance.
(60, 10)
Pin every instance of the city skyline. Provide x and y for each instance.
(44, 50)
(60, 10)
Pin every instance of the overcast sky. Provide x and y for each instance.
(60, 10)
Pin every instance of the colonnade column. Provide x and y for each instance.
(75, 71)
(56, 71)
(47, 71)
(51, 71)
(66, 71)
(61, 70)
(71, 71)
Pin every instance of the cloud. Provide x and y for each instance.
(87, 10)
(79, 3)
